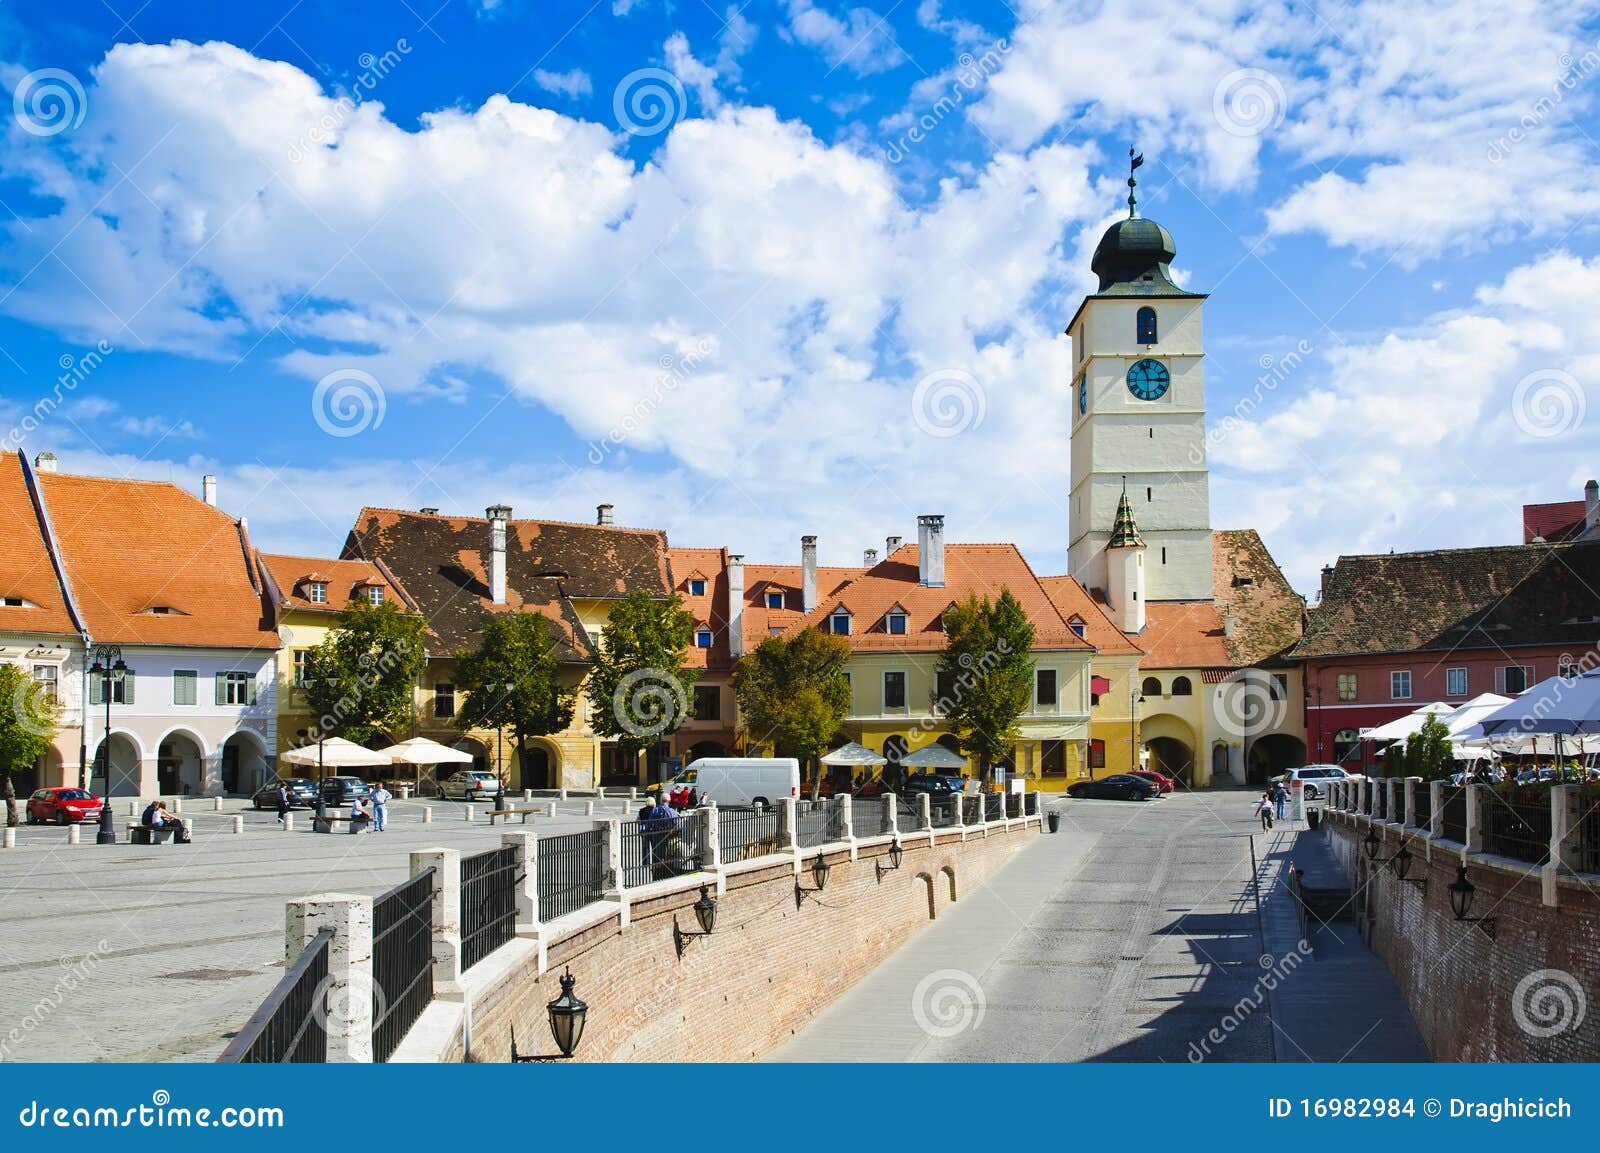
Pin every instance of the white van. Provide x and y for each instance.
(743, 780)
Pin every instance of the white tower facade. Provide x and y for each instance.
(1138, 419)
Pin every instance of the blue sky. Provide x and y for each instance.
(696, 259)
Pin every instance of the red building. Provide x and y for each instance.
(1396, 631)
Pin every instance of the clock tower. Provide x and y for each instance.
(1138, 422)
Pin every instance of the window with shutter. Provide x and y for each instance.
(122, 691)
(184, 682)
(220, 682)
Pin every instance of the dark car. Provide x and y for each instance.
(302, 794)
(343, 790)
(1117, 787)
(64, 805)
(932, 785)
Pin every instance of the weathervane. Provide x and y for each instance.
(1134, 160)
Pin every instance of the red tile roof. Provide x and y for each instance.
(760, 579)
(292, 576)
(711, 608)
(133, 546)
(1183, 635)
(26, 570)
(969, 569)
(1073, 600)
(1560, 520)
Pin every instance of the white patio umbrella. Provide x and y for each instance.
(854, 754)
(336, 753)
(422, 751)
(934, 756)
(1464, 720)
(1559, 706)
(1402, 727)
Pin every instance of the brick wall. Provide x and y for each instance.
(766, 970)
(1461, 984)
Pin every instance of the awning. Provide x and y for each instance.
(422, 751)
(854, 754)
(336, 753)
(1099, 686)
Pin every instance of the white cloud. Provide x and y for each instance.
(862, 40)
(572, 84)
(698, 77)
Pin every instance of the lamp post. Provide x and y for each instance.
(111, 669)
(305, 734)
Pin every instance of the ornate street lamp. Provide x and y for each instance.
(895, 855)
(567, 1018)
(819, 875)
(705, 912)
(111, 669)
(1461, 895)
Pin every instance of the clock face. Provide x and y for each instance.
(1083, 395)
(1149, 380)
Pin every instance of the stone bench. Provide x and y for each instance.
(330, 822)
(509, 813)
(154, 834)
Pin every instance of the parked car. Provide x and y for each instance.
(343, 790)
(1162, 782)
(469, 785)
(933, 785)
(744, 780)
(302, 794)
(1316, 779)
(1117, 787)
(64, 805)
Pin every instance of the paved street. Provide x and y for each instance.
(158, 953)
(1132, 935)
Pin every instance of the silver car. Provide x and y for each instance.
(469, 785)
(1316, 779)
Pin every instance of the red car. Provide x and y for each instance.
(64, 805)
(1161, 781)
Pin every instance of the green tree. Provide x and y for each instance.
(1428, 753)
(360, 681)
(985, 675)
(514, 680)
(793, 694)
(638, 688)
(28, 717)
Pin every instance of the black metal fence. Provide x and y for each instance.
(1587, 829)
(1030, 804)
(402, 961)
(573, 871)
(869, 816)
(664, 847)
(290, 1025)
(1453, 818)
(815, 824)
(994, 806)
(971, 810)
(908, 814)
(1517, 823)
(945, 811)
(488, 903)
(1421, 814)
(1380, 801)
(743, 833)
(1013, 804)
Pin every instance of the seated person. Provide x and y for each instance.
(151, 817)
(360, 812)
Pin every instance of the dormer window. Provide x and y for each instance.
(702, 637)
(697, 587)
(1076, 625)
(16, 603)
(373, 594)
(162, 611)
(839, 623)
(775, 600)
(317, 592)
(894, 623)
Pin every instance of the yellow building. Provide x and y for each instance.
(1114, 743)
(462, 571)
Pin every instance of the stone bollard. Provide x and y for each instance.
(588, 809)
(470, 812)
(427, 814)
(527, 794)
(288, 822)
(72, 834)
(405, 792)
(563, 794)
(177, 806)
(188, 828)
(633, 792)
(11, 838)
(238, 824)
(216, 804)
(347, 989)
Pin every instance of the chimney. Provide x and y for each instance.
(930, 550)
(602, 514)
(1327, 575)
(869, 557)
(1591, 506)
(890, 543)
(735, 605)
(208, 489)
(808, 573)
(45, 462)
(498, 515)
(429, 511)
(1227, 624)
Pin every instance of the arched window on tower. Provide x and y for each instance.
(1150, 688)
(1181, 687)
(1147, 325)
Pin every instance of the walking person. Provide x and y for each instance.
(1264, 811)
(283, 801)
(380, 807)
(1280, 798)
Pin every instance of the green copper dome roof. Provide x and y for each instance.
(1135, 252)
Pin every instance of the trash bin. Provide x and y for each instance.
(1054, 820)
(1313, 818)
